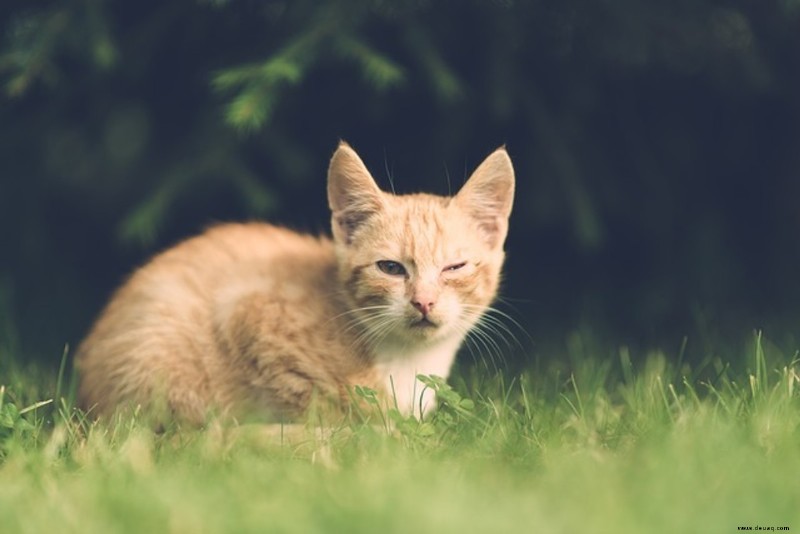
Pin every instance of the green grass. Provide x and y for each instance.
(597, 444)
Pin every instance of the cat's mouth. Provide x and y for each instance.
(424, 324)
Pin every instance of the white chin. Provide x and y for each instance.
(426, 331)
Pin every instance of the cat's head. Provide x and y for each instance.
(419, 268)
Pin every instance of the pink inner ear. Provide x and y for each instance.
(491, 228)
(347, 225)
(349, 221)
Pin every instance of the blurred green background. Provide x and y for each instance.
(657, 147)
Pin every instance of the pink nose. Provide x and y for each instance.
(424, 307)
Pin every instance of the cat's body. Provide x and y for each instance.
(256, 320)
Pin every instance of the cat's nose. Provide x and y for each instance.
(423, 306)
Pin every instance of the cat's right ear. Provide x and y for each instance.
(353, 195)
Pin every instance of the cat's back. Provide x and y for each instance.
(225, 257)
(163, 319)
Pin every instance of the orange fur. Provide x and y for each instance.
(256, 320)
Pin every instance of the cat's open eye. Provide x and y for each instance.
(391, 267)
(454, 267)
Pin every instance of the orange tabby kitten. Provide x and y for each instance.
(252, 319)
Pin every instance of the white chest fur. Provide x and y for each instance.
(400, 365)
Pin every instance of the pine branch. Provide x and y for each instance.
(259, 84)
(377, 69)
(444, 80)
(33, 39)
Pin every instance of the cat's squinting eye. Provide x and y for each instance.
(454, 267)
(392, 268)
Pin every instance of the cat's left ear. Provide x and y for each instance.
(488, 195)
(353, 195)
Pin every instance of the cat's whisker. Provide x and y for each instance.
(472, 345)
(486, 335)
(488, 353)
(489, 328)
(376, 336)
(493, 310)
(362, 316)
(362, 320)
(501, 320)
(490, 348)
(359, 310)
(493, 349)
(508, 301)
(469, 345)
(501, 330)
(375, 333)
(369, 331)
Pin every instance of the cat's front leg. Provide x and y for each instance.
(278, 366)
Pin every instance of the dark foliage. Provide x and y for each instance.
(657, 144)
